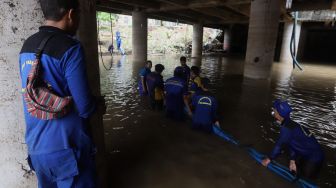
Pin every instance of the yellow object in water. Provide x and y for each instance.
(198, 81)
(158, 94)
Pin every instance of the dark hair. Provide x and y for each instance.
(205, 82)
(183, 59)
(147, 62)
(196, 70)
(56, 9)
(159, 68)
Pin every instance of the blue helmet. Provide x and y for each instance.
(283, 108)
(179, 71)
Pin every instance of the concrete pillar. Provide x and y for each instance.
(263, 30)
(139, 36)
(196, 61)
(227, 39)
(197, 41)
(285, 55)
(87, 34)
(18, 20)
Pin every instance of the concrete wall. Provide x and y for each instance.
(139, 36)
(317, 43)
(287, 34)
(197, 41)
(87, 34)
(238, 43)
(18, 20)
(262, 35)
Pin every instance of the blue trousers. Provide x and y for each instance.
(64, 169)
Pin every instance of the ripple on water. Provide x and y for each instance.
(311, 93)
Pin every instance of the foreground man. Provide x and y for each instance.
(306, 155)
(177, 96)
(60, 150)
(205, 108)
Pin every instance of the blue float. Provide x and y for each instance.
(273, 166)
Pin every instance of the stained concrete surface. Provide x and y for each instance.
(18, 19)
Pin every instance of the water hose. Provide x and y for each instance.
(275, 167)
(292, 45)
(99, 44)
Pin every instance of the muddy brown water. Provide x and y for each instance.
(147, 150)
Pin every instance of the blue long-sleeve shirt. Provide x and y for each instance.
(63, 68)
(176, 88)
(299, 141)
(205, 109)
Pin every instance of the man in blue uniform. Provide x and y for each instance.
(177, 96)
(155, 87)
(143, 74)
(60, 150)
(186, 69)
(205, 108)
(306, 155)
(119, 42)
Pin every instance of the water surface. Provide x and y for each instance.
(138, 139)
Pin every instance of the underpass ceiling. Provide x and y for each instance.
(212, 13)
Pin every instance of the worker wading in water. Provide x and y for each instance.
(306, 155)
(155, 88)
(177, 96)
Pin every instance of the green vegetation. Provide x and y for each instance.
(163, 37)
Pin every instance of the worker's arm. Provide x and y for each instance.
(284, 138)
(74, 68)
(292, 164)
(186, 99)
(143, 82)
(186, 103)
(214, 112)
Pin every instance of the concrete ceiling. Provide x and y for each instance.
(212, 13)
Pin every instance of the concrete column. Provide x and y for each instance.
(227, 39)
(139, 36)
(87, 34)
(285, 55)
(263, 30)
(197, 41)
(18, 20)
(196, 62)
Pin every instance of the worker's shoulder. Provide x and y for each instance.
(58, 45)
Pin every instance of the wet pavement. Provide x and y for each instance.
(147, 150)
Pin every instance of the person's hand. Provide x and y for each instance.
(292, 166)
(265, 162)
(217, 124)
(190, 114)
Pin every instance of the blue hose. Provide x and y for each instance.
(292, 46)
(273, 166)
(218, 131)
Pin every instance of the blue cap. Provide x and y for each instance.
(283, 108)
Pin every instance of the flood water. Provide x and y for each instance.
(148, 150)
